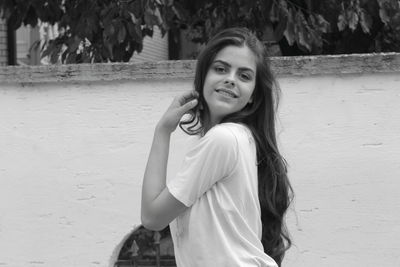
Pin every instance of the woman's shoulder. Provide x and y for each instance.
(221, 137)
(226, 129)
(221, 132)
(229, 126)
(240, 131)
(237, 129)
(228, 132)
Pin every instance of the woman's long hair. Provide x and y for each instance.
(275, 192)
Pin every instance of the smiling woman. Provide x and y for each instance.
(232, 191)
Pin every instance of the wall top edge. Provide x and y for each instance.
(184, 69)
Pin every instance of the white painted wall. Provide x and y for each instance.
(72, 156)
(341, 137)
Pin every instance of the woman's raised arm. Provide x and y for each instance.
(158, 206)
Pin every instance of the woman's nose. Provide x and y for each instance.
(229, 80)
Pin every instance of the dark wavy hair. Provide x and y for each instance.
(275, 191)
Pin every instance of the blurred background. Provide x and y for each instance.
(34, 32)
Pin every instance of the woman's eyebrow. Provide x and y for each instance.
(229, 65)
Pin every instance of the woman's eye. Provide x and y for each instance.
(219, 69)
(245, 76)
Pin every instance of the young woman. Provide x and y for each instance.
(227, 203)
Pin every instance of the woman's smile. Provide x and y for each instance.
(226, 92)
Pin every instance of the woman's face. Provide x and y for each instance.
(230, 82)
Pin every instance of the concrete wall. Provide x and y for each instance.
(74, 142)
(3, 43)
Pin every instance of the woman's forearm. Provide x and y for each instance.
(156, 168)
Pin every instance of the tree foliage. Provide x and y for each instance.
(112, 30)
(287, 19)
(303, 26)
(92, 30)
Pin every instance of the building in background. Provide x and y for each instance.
(28, 41)
(154, 48)
(3, 43)
(28, 46)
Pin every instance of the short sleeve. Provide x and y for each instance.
(213, 158)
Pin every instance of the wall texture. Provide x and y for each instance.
(74, 142)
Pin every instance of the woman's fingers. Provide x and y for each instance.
(187, 101)
(187, 96)
(188, 106)
(179, 106)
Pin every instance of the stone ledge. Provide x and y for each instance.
(184, 69)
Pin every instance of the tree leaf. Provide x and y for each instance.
(384, 15)
(136, 8)
(22, 9)
(153, 17)
(73, 43)
(283, 9)
(147, 31)
(389, 10)
(109, 33)
(64, 56)
(86, 56)
(109, 46)
(289, 32)
(208, 25)
(303, 34)
(353, 21)
(121, 34)
(135, 31)
(365, 21)
(323, 25)
(342, 22)
(49, 48)
(31, 17)
(133, 18)
(316, 40)
(55, 54)
(92, 27)
(317, 28)
(274, 13)
(139, 47)
(281, 28)
(71, 58)
(282, 4)
(303, 38)
(15, 20)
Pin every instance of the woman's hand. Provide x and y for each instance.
(179, 106)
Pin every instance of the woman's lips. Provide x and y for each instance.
(226, 92)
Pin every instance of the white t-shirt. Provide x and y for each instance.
(218, 182)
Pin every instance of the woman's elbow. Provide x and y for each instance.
(152, 223)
